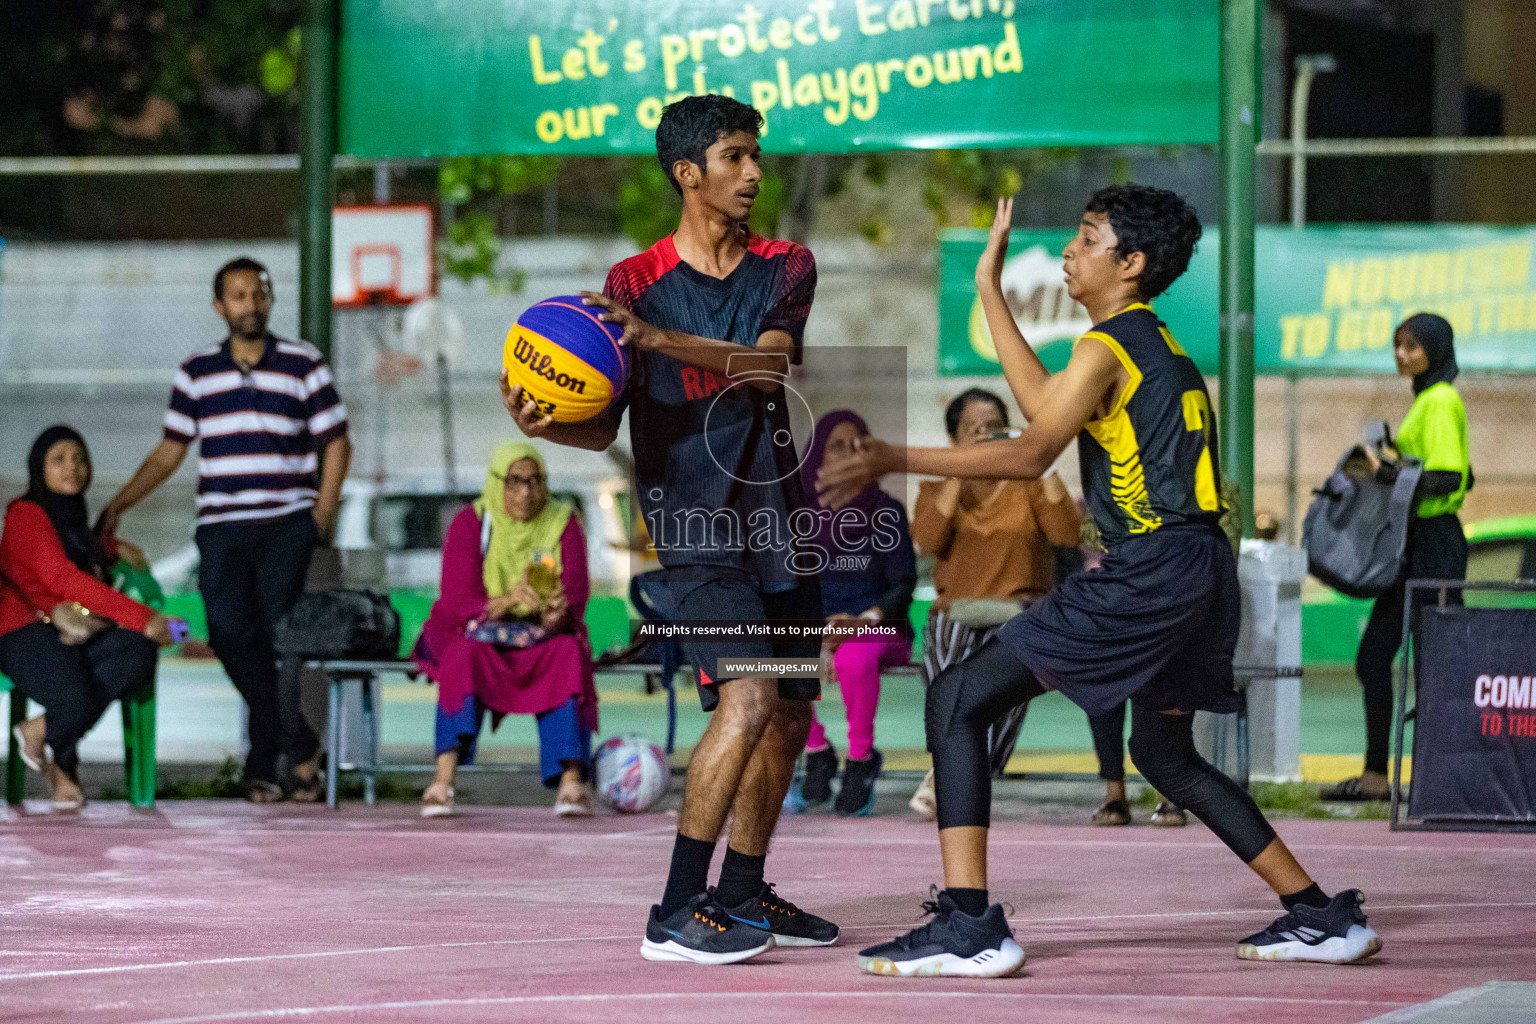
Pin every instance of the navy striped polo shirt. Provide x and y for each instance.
(262, 432)
(714, 459)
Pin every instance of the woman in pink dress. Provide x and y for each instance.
(507, 635)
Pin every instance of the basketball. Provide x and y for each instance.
(566, 359)
(630, 773)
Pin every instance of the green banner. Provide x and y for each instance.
(1328, 297)
(833, 76)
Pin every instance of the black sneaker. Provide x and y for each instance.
(952, 945)
(857, 797)
(820, 767)
(790, 925)
(702, 933)
(1335, 934)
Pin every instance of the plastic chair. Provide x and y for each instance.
(138, 746)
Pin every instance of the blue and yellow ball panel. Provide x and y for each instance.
(566, 359)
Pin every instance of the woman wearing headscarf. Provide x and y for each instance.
(507, 633)
(1435, 432)
(67, 639)
(992, 542)
(871, 574)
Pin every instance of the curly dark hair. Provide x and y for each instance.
(1154, 222)
(956, 408)
(694, 123)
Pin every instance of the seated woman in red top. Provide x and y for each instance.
(67, 639)
(507, 634)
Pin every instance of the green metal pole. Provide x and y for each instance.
(317, 147)
(1239, 135)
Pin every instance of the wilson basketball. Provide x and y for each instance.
(567, 360)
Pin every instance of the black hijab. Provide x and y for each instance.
(66, 511)
(1433, 333)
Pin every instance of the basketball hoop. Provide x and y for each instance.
(381, 255)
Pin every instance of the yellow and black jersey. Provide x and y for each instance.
(1151, 461)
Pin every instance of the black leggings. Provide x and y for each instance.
(968, 697)
(1437, 549)
(75, 684)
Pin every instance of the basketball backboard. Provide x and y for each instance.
(381, 255)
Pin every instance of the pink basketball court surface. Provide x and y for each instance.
(218, 911)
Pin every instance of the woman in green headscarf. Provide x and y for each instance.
(507, 634)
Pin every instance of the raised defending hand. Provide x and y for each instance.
(524, 410)
(637, 332)
(989, 269)
(839, 482)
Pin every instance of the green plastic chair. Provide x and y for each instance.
(138, 746)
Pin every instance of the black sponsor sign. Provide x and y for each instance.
(1474, 745)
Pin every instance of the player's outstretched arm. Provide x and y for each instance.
(1075, 393)
(594, 435)
(1025, 373)
(763, 364)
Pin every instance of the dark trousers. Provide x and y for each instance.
(75, 684)
(1109, 742)
(250, 576)
(1437, 549)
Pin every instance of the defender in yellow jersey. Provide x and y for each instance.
(1149, 461)
(1156, 622)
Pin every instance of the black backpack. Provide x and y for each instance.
(339, 624)
(1356, 530)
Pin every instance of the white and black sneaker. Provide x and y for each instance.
(952, 945)
(789, 925)
(1335, 934)
(702, 933)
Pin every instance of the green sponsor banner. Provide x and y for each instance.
(1329, 297)
(832, 76)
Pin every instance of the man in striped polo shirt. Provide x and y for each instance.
(274, 452)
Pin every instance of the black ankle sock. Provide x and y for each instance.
(741, 878)
(971, 902)
(1312, 896)
(689, 875)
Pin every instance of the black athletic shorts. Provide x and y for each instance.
(1158, 619)
(722, 594)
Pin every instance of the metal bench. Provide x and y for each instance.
(340, 672)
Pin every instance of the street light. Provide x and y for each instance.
(1308, 67)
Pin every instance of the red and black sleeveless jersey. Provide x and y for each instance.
(1151, 461)
(701, 444)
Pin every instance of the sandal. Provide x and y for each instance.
(66, 804)
(1169, 815)
(1112, 814)
(260, 791)
(575, 803)
(924, 801)
(1354, 790)
(310, 792)
(33, 755)
(436, 807)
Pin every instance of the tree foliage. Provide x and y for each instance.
(135, 76)
(476, 187)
